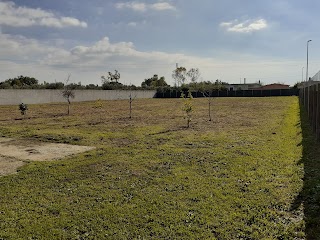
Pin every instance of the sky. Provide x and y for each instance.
(227, 40)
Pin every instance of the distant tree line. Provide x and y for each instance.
(205, 86)
(23, 82)
(184, 80)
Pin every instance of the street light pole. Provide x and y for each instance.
(307, 79)
(304, 90)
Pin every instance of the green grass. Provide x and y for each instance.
(238, 177)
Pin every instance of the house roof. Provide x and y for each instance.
(274, 86)
(244, 84)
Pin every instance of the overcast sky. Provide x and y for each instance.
(228, 40)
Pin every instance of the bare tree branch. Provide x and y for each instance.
(68, 93)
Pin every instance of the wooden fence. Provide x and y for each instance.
(310, 99)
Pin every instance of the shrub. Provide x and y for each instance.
(23, 108)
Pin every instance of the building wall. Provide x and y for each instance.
(37, 96)
(316, 77)
(247, 86)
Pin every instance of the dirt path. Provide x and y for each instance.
(15, 153)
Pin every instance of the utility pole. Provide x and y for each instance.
(307, 77)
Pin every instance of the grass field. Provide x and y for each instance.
(251, 173)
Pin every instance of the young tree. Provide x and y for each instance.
(131, 99)
(193, 74)
(179, 75)
(208, 96)
(187, 106)
(99, 105)
(68, 93)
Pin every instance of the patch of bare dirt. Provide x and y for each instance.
(9, 165)
(14, 152)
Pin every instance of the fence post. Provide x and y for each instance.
(313, 104)
(308, 100)
(304, 96)
(317, 111)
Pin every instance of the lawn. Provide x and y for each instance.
(241, 176)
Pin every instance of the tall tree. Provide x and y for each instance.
(111, 77)
(193, 74)
(179, 75)
(19, 82)
(154, 81)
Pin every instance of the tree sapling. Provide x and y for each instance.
(187, 106)
(68, 93)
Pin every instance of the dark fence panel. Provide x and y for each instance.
(223, 93)
(310, 99)
(226, 93)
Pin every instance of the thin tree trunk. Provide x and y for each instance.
(209, 110)
(130, 107)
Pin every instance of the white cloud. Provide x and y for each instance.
(137, 65)
(136, 24)
(136, 6)
(19, 48)
(48, 61)
(15, 16)
(161, 6)
(225, 24)
(247, 26)
(72, 22)
(142, 7)
(132, 24)
(104, 47)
